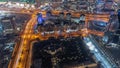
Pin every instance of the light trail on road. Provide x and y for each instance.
(20, 60)
(97, 53)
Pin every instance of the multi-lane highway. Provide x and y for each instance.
(21, 53)
(99, 53)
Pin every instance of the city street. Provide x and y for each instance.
(59, 34)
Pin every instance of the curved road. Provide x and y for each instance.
(20, 58)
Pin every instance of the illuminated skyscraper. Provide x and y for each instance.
(40, 19)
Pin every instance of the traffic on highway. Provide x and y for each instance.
(60, 34)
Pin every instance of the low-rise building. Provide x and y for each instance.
(7, 25)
